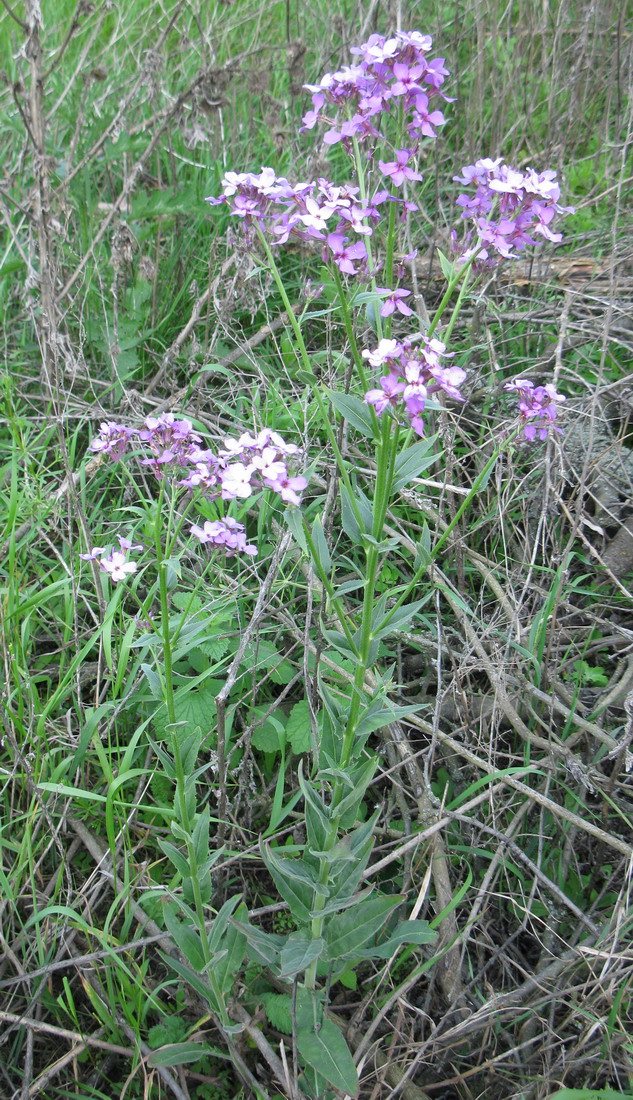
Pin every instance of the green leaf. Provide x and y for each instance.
(322, 1045)
(395, 620)
(193, 979)
(298, 728)
(322, 552)
(263, 654)
(153, 680)
(278, 1008)
(349, 521)
(194, 709)
(234, 946)
(179, 1054)
(408, 931)
(298, 894)
(355, 411)
(185, 938)
(590, 1094)
(299, 952)
(265, 946)
(447, 266)
(223, 918)
(178, 858)
(423, 556)
(267, 737)
(171, 1029)
(348, 979)
(294, 523)
(317, 817)
(412, 462)
(346, 932)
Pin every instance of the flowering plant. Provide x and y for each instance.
(381, 110)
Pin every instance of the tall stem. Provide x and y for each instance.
(168, 677)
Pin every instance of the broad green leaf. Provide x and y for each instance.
(398, 619)
(193, 979)
(233, 943)
(194, 709)
(349, 520)
(299, 952)
(279, 1011)
(223, 918)
(322, 1045)
(298, 728)
(186, 939)
(412, 462)
(317, 817)
(299, 895)
(178, 858)
(153, 680)
(355, 411)
(265, 946)
(341, 903)
(179, 1054)
(590, 1094)
(262, 654)
(447, 266)
(363, 777)
(294, 523)
(379, 716)
(267, 736)
(320, 546)
(346, 932)
(408, 931)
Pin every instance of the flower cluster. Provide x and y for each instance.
(509, 206)
(390, 72)
(114, 562)
(239, 469)
(316, 211)
(224, 532)
(414, 374)
(537, 407)
(170, 448)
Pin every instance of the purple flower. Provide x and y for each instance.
(508, 206)
(114, 563)
(113, 439)
(227, 533)
(536, 406)
(117, 565)
(415, 373)
(236, 481)
(393, 301)
(389, 70)
(94, 554)
(389, 394)
(288, 487)
(344, 255)
(397, 169)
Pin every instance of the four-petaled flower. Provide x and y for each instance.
(537, 407)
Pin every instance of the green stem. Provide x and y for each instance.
(305, 360)
(349, 328)
(168, 679)
(448, 293)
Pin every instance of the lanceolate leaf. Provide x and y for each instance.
(408, 931)
(322, 1045)
(346, 932)
(299, 952)
(355, 411)
(412, 462)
